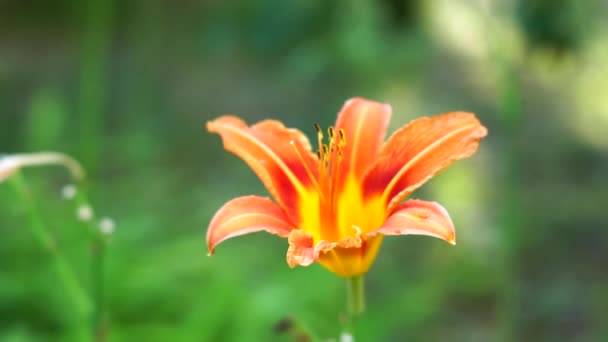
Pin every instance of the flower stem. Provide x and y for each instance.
(355, 296)
(73, 288)
(99, 242)
(98, 263)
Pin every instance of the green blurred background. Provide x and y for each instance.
(127, 86)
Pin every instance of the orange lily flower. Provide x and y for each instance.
(336, 206)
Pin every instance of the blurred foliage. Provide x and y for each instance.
(126, 88)
(552, 24)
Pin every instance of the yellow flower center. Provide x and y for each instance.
(335, 208)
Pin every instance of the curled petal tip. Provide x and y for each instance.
(451, 235)
(418, 217)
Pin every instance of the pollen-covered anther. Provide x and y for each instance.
(319, 134)
(342, 136)
(325, 155)
(335, 144)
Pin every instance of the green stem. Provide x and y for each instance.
(77, 295)
(98, 275)
(98, 16)
(509, 107)
(512, 223)
(98, 259)
(355, 296)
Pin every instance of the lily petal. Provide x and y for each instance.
(244, 215)
(302, 250)
(281, 157)
(416, 217)
(420, 150)
(364, 123)
(348, 257)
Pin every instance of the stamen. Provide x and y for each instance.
(319, 140)
(319, 133)
(342, 136)
(329, 155)
(318, 128)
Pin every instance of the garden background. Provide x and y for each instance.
(127, 86)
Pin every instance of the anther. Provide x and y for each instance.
(330, 131)
(342, 136)
(318, 128)
(325, 150)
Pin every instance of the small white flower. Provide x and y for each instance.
(85, 213)
(346, 337)
(106, 225)
(68, 191)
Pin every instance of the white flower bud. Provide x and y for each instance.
(68, 191)
(346, 337)
(85, 213)
(106, 225)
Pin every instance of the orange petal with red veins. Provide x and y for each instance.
(416, 217)
(364, 123)
(244, 215)
(281, 157)
(418, 151)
